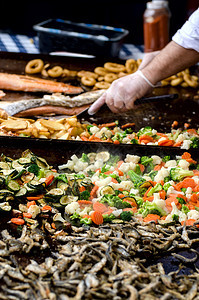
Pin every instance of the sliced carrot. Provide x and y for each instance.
(133, 209)
(121, 196)
(82, 189)
(17, 221)
(93, 191)
(166, 142)
(84, 138)
(157, 167)
(190, 206)
(27, 215)
(150, 199)
(191, 161)
(178, 144)
(97, 206)
(84, 202)
(162, 194)
(146, 193)
(97, 217)
(112, 124)
(49, 179)
(47, 207)
(145, 139)
(178, 186)
(161, 134)
(116, 142)
(142, 167)
(194, 198)
(196, 189)
(120, 189)
(108, 172)
(186, 155)
(189, 222)
(151, 217)
(31, 203)
(188, 182)
(35, 198)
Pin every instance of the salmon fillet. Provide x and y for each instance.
(25, 83)
(49, 109)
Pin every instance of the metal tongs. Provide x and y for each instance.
(143, 100)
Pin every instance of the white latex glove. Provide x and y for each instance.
(148, 57)
(122, 93)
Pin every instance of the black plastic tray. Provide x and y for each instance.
(62, 35)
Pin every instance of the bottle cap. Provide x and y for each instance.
(155, 4)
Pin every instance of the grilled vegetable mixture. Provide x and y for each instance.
(100, 188)
(111, 132)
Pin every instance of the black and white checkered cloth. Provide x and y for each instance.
(26, 44)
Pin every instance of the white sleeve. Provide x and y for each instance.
(188, 35)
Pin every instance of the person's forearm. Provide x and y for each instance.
(171, 60)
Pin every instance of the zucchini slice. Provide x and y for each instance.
(27, 177)
(4, 165)
(54, 194)
(13, 186)
(15, 164)
(107, 190)
(21, 192)
(104, 155)
(24, 161)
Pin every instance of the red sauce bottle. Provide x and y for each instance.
(156, 20)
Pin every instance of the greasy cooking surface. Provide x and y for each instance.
(159, 115)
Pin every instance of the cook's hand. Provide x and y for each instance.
(122, 94)
(148, 57)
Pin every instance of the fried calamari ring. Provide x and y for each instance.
(69, 73)
(102, 85)
(34, 66)
(114, 68)
(88, 81)
(100, 78)
(100, 71)
(131, 65)
(56, 71)
(110, 77)
(83, 73)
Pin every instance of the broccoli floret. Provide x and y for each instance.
(138, 170)
(86, 221)
(166, 179)
(126, 216)
(166, 158)
(90, 173)
(183, 190)
(184, 209)
(88, 128)
(181, 200)
(146, 130)
(166, 186)
(84, 158)
(85, 195)
(34, 169)
(75, 216)
(62, 177)
(119, 136)
(152, 174)
(139, 200)
(108, 218)
(113, 160)
(145, 160)
(155, 189)
(105, 168)
(195, 142)
(177, 174)
(175, 218)
(135, 178)
(134, 141)
(115, 201)
(151, 208)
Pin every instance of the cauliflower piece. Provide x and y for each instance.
(124, 167)
(193, 214)
(170, 190)
(175, 211)
(94, 129)
(156, 159)
(72, 207)
(171, 164)
(103, 182)
(132, 158)
(183, 164)
(186, 144)
(162, 173)
(34, 210)
(134, 191)
(80, 166)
